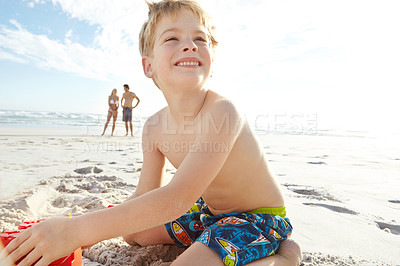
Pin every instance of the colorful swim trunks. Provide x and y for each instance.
(238, 238)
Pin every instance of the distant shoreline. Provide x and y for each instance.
(18, 122)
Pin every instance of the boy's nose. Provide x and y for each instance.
(190, 46)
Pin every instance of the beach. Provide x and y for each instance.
(341, 191)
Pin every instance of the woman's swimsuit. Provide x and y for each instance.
(113, 102)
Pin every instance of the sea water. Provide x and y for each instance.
(81, 123)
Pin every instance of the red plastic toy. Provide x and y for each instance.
(74, 259)
(7, 237)
(28, 224)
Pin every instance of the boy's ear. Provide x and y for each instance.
(147, 67)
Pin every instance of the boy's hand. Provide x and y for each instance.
(42, 243)
(78, 214)
(4, 261)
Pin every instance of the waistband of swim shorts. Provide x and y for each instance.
(280, 211)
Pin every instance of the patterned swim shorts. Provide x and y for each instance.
(238, 238)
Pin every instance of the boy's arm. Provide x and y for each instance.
(153, 168)
(220, 127)
(158, 206)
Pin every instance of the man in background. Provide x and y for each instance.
(126, 103)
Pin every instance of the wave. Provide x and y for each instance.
(260, 125)
(41, 118)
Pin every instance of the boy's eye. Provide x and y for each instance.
(171, 39)
(201, 39)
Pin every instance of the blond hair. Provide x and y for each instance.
(172, 8)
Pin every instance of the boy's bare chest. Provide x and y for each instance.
(176, 147)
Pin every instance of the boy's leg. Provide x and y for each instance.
(289, 253)
(198, 254)
(153, 236)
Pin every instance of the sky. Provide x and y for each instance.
(336, 59)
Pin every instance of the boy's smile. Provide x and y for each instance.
(182, 55)
(188, 62)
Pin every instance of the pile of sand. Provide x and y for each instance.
(80, 194)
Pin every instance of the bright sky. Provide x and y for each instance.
(339, 59)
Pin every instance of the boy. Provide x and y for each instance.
(239, 215)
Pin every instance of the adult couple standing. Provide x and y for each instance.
(126, 103)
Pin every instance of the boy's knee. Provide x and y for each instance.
(131, 239)
(138, 239)
(154, 236)
(291, 250)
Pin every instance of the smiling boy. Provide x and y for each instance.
(239, 213)
(217, 157)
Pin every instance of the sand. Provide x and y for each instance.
(341, 192)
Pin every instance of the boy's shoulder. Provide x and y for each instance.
(218, 105)
(155, 121)
(216, 109)
(158, 115)
(216, 101)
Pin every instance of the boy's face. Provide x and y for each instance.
(181, 55)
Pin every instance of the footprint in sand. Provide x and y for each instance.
(390, 228)
(130, 170)
(316, 162)
(88, 170)
(311, 193)
(307, 192)
(332, 208)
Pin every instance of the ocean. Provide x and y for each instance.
(93, 124)
(35, 118)
(79, 123)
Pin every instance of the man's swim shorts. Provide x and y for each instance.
(127, 114)
(238, 238)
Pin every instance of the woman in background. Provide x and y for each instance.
(113, 103)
